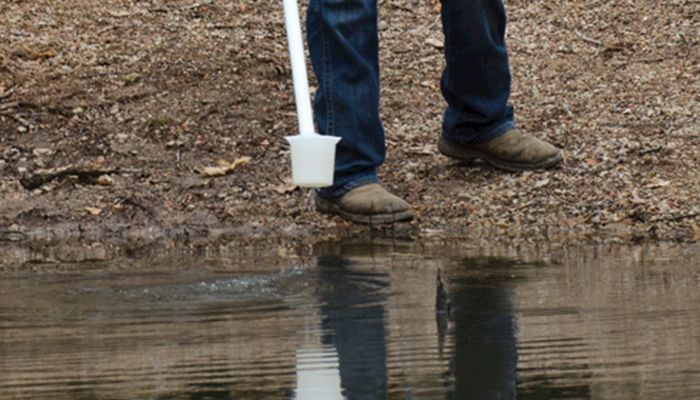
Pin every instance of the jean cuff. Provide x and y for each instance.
(337, 191)
(483, 137)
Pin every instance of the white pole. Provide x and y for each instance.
(301, 80)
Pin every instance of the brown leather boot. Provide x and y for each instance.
(367, 204)
(512, 151)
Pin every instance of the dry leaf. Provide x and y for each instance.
(696, 232)
(40, 152)
(36, 55)
(118, 14)
(658, 183)
(570, 222)
(427, 149)
(437, 43)
(93, 210)
(636, 199)
(224, 167)
(503, 225)
(99, 162)
(104, 180)
(286, 187)
(542, 183)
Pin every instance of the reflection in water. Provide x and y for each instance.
(317, 374)
(352, 308)
(485, 355)
(361, 323)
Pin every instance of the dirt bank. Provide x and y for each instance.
(111, 110)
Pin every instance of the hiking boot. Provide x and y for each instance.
(512, 151)
(367, 204)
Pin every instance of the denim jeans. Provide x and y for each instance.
(343, 43)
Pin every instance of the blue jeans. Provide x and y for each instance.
(343, 43)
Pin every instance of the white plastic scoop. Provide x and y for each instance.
(313, 155)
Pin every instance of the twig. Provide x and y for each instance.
(124, 98)
(8, 92)
(589, 40)
(198, 5)
(9, 235)
(649, 60)
(43, 176)
(222, 26)
(7, 106)
(18, 119)
(650, 150)
(676, 218)
(45, 108)
(402, 7)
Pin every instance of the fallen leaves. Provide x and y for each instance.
(286, 187)
(118, 13)
(41, 152)
(223, 167)
(93, 210)
(541, 183)
(4, 92)
(104, 180)
(437, 43)
(695, 232)
(657, 183)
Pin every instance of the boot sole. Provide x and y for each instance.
(328, 207)
(462, 153)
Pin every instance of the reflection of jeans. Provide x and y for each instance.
(353, 322)
(486, 357)
(343, 42)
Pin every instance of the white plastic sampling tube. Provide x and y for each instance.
(301, 80)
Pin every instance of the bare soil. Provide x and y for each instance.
(110, 111)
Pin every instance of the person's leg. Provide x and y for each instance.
(343, 43)
(476, 80)
(478, 121)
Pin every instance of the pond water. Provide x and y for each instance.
(358, 321)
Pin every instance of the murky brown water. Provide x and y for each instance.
(359, 322)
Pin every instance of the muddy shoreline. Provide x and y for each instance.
(112, 112)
